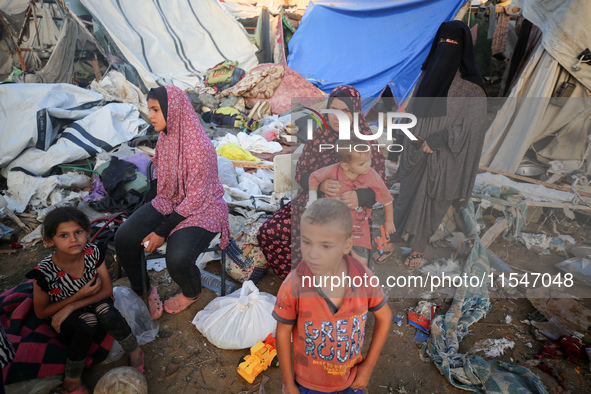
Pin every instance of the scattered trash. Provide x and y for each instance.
(508, 319)
(565, 315)
(156, 264)
(398, 318)
(579, 267)
(493, 347)
(447, 267)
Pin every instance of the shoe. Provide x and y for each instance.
(154, 303)
(381, 258)
(179, 303)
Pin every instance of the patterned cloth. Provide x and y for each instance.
(499, 41)
(293, 89)
(186, 167)
(470, 304)
(258, 83)
(61, 285)
(39, 352)
(275, 234)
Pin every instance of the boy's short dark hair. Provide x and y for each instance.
(63, 215)
(330, 211)
(347, 151)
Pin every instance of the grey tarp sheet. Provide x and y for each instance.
(33, 118)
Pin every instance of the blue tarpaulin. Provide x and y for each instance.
(367, 44)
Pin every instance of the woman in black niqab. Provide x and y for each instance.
(450, 104)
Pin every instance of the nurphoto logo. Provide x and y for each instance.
(345, 128)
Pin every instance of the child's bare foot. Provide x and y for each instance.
(136, 360)
(74, 386)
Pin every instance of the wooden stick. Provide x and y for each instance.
(557, 205)
(252, 164)
(530, 180)
(17, 220)
(3, 251)
(147, 150)
(493, 232)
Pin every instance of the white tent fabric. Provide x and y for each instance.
(174, 42)
(564, 24)
(529, 115)
(31, 133)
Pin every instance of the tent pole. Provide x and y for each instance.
(18, 51)
(35, 20)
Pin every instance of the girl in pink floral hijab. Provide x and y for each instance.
(188, 210)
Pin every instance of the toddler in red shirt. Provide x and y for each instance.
(354, 172)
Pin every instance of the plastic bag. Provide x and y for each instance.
(136, 313)
(233, 151)
(227, 172)
(238, 320)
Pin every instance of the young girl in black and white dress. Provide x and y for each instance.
(73, 289)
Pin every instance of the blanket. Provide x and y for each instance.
(39, 352)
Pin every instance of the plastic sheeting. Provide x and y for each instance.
(51, 124)
(32, 113)
(174, 42)
(367, 44)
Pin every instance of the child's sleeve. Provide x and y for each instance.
(375, 295)
(319, 176)
(377, 184)
(97, 251)
(285, 310)
(37, 275)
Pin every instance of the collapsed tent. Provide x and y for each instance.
(369, 45)
(51, 124)
(174, 42)
(47, 44)
(531, 114)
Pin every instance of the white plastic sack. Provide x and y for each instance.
(136, 313)
(238, 320)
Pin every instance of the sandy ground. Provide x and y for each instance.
(181, 360)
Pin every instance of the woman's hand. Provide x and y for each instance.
(426, 148)
(155, 241)
(91, 288)
(59, 317)
(330, 187)
(350, 198)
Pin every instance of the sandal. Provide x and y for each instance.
(154, 303)
(380, 258)
(82, 389)
(411, 258)
(179, 303)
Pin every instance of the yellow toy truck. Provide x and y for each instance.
(261, 356)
